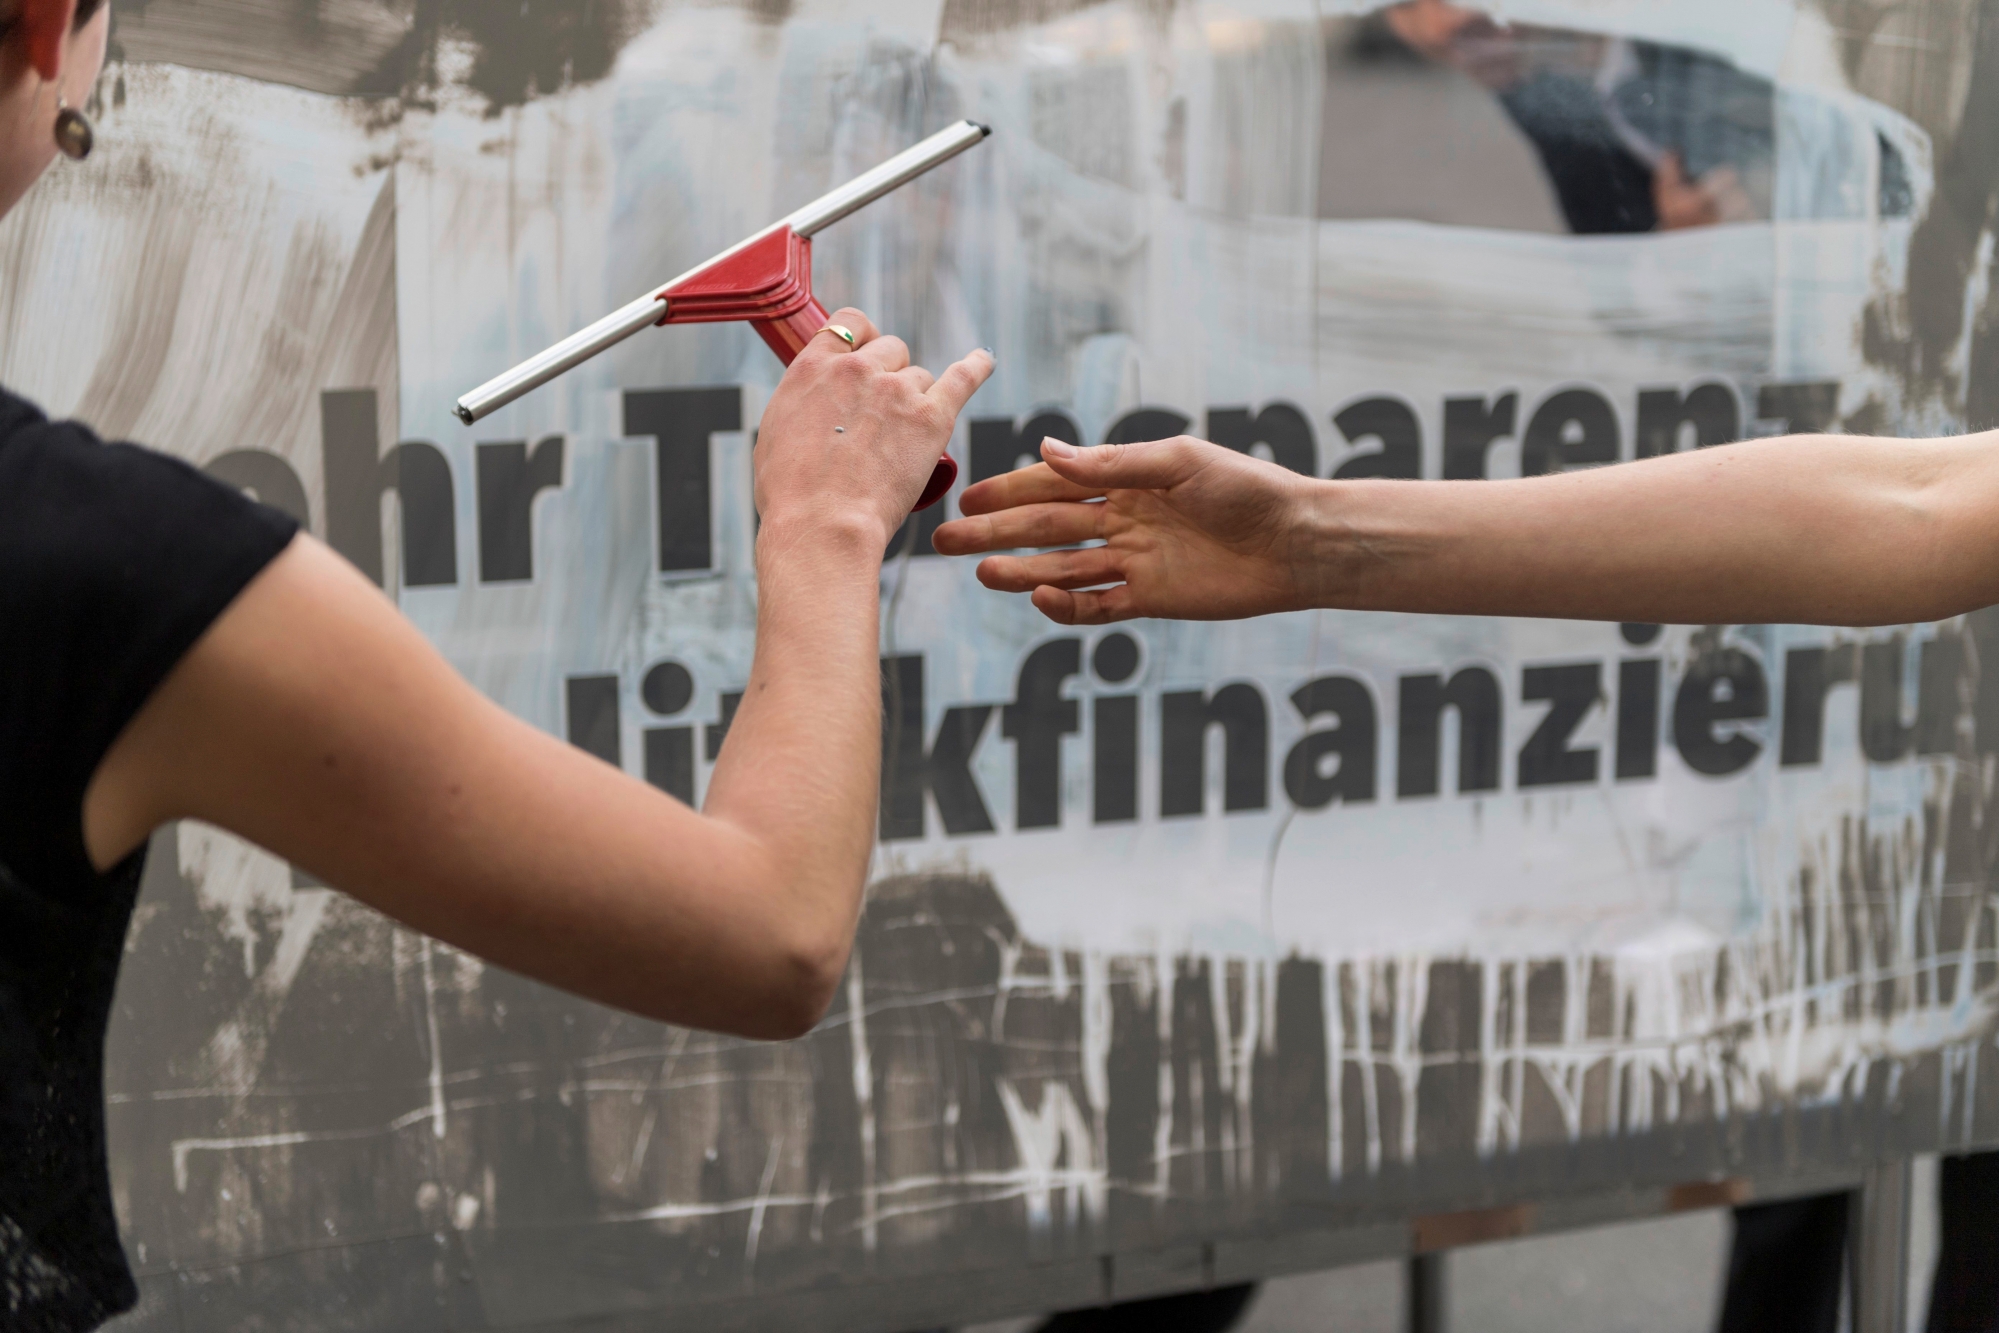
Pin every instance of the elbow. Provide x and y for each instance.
(778, 990)
(795, 933)
(804, 976)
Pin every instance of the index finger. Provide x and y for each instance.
(1038, 484)
(961, 379)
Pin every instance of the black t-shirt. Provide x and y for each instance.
(113, 561)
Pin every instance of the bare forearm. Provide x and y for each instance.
(1808, 529)
(799, 773)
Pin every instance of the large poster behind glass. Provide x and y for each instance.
(1180, 933)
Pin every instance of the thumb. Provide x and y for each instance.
(1154, 465)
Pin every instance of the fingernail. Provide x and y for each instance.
(991, 354)
(1054, 448)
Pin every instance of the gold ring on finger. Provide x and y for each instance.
(846, 334)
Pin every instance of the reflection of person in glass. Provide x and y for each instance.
(1634, 136)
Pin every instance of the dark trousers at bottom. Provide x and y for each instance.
(1784, 1270)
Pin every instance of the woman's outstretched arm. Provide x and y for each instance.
(315, 721)
(1817, 529)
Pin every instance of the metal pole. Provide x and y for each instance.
(1878, 1237)
(646, 310)
(1424, 1305)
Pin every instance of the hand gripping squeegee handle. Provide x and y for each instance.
(766, 280)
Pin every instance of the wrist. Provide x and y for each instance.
(824, 526)
(841, 535)
(1352, 544)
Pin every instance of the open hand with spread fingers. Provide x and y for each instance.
(1190, 530)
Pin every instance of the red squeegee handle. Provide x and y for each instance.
(787, 337)
(767, 283)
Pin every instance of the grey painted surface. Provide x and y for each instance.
(527, 1124)
(1254, 1013)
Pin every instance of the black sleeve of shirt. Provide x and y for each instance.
(113, 561)
(1601, 187)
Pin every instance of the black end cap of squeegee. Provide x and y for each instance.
(985, 131)
(463, 413)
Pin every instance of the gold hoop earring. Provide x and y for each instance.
(74, 136)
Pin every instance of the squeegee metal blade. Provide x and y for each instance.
(545, 365)
(622, 323)
(891, 175)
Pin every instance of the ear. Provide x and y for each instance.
(43, 29)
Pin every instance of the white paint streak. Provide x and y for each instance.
(1364, 973)
(1335, 1064)
(757, 1213)
(864, 1101)
(1096, 1034)
(1412, 1001)
(436, 1048)
(1056, 1146)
